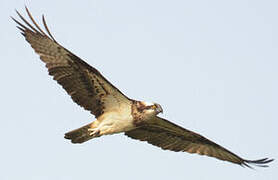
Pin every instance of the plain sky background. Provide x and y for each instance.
(212, 65)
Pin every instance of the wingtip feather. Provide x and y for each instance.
(259, 162)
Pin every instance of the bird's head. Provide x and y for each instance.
(148, 109)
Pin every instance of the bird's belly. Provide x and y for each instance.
(115, 123)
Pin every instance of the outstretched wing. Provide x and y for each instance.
(86, 86)
(170, 136)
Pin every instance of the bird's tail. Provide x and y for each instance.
(82, 134)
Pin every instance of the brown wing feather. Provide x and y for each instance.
(87, 87)
(170, 136)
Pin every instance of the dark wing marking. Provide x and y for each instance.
(86, 86)
(167, 135)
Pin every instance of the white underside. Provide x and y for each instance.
(114, 122)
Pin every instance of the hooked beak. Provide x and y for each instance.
(159, 109)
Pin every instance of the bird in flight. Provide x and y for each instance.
(115, 112)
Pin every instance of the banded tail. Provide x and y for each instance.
(82, 134)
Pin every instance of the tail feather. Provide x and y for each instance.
(80, 135)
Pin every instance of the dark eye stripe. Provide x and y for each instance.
(151, 107)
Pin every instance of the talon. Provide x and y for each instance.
(94, 132)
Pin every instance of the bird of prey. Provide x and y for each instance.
(115, 112)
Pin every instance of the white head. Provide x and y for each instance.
(148, 108)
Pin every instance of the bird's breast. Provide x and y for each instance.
(115, 122)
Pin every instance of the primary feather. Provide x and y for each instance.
(114, 111)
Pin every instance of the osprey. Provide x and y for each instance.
(115, 112)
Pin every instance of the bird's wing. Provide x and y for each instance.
(86, 86)
(167, 135)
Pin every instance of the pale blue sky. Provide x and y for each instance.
(212, 65)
